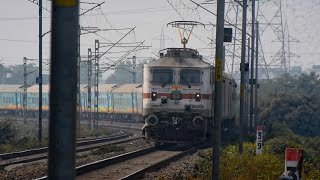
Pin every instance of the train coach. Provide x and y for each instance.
(115, 102)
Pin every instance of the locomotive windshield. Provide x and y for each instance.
(163, 76)
(190, 76)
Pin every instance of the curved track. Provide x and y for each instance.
(132, 165)
(82, 145)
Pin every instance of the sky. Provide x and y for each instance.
(19, 29)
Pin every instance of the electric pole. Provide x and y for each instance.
(40, 70)
(25, 86)
(89, 87)
(96, 81)
(253, 20)
(256, 84)
(63, 88)
(134, 64)
(78, 85)
(219, 62)
(247, 92)
(243, 69)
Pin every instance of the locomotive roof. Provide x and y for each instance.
(179, 57)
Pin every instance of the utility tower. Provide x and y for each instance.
(273, 24)
(233, 50)
(273, 34)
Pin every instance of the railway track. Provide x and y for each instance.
(131, 165)
(32, 155)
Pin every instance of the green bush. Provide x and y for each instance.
(7, 131)
(247, 166)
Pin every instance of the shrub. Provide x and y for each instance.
(7, 131)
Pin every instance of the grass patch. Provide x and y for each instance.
(17, 136)
(269, 165)
(85, 131)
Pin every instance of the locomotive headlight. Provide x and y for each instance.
(154, 96)
(198, 97)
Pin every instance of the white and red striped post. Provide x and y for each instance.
(259, 138)
(293, 163)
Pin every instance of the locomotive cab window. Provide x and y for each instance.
(162, 76)
(190, 76)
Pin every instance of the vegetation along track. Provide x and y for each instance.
(132, 165)
(41, 153)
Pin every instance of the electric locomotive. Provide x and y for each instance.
(177, 95)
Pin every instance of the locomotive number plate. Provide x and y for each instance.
(200, 106)
(176, 87)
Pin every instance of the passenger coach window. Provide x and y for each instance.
(163, 76)
(192, 76)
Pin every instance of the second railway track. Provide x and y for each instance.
(31, 155)
(132, 165)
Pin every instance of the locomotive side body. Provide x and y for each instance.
(177, 97)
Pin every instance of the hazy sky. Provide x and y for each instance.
(19, 27)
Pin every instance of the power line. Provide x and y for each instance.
(19, 18)
(18, 40)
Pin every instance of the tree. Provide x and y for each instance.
(294, 101)
(123, 74)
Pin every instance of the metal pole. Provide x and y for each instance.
(219, 62)
(78, 85)
(63, 88)
(89, 86)
(40, 71)
(242, 69)
(252, 63)
(247, 92)
(256, 84)
(24, 103)
(134, 63)
(96, 85)
(234, 41)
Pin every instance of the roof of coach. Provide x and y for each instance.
(46, 88)
(127, 88)
(35, 89)
(102, 87)
(10, 88)
(179, 57)
(105, 87)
